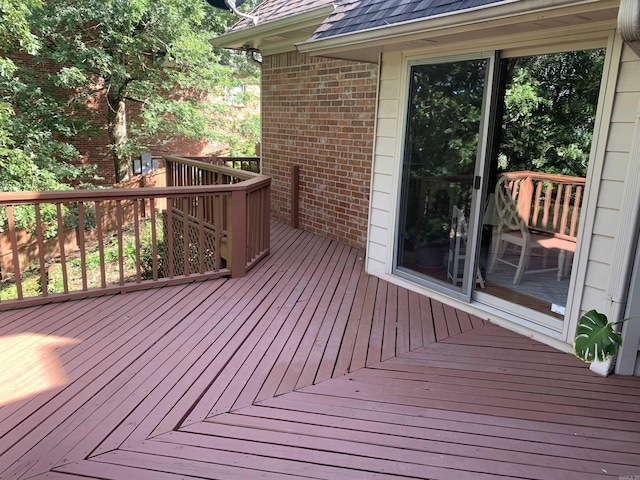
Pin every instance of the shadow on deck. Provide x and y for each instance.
(307, 367)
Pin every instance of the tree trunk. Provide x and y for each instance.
(118, 137)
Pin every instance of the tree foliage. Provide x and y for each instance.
(33, 153)
(154, 56)
(68, 56)
(549, 107)
(444, 111)
(549, 112)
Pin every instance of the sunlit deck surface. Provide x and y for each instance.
(306, 368)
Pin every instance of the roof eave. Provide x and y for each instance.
(487, 14)
(257, 36)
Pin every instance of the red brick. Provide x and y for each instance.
(319, 113)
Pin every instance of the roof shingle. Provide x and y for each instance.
(357, 15)
(271, 10)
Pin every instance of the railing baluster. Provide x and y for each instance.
(251, 225)
(81, 245)
(218, 202)
(119, 223)
(168, 170)
(266, 215)
(136, 234)
(185, 234)
(536, 203)
(547, 205)
(63, 257)
(103, 276)
(170, 238)
(44, 280)
(556, 209)
(201, 244)
(208, 216)
(576, 211)
(14, 250)
(261, 221)
(565, 208)
(154, 240)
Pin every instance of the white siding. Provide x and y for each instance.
(626, 114)
(614, 173)
(380, 244)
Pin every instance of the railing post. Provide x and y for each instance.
(295, 195)
(168, 170)
(267, 218)
(238, 240)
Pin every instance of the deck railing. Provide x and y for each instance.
(547, 203)
(209, 221)
(250, 164)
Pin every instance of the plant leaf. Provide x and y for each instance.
(595, 338)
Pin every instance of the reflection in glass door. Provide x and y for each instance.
(437, 198)
(538, 167)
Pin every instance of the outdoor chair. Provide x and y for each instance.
(512, 230)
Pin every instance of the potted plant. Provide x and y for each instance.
(596, 339)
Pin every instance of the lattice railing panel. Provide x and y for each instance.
(199, 262)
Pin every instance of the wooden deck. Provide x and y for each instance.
(305, 368)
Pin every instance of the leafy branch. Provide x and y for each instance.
(596, 338)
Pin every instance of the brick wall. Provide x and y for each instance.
(319, 114)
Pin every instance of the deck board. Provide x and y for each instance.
(378, 434)
(307, 367)
(399, 425)
(269, 317)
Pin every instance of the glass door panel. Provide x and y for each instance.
(537, 173)
(444, 124)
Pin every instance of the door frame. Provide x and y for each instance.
(503, 312)
(465, 291)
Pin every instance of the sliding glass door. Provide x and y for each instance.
(493, 177)
(536, 180)
(442, 158)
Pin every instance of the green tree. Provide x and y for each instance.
(549, 112)
(32, 129)
(32, 156)
(445, 106)
(154, 56)
(14, 36)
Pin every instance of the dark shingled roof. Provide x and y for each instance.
(271, 10)
(355, 15)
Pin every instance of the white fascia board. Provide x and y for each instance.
(253, 36)
(486, 15)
